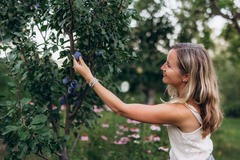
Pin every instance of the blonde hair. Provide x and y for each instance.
(202, 86)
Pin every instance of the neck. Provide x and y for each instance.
(180, 89)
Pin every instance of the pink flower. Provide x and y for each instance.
(96, 109)
(84, 137)
(148, 151)
(107, 108)
(63, 107)
(104, 138)
(134, 129)
(163, 148)
(134, 136)
(123, 140)
(156, 138)
(119, 133)
(132, 121)
(155, 127)
(124, 128)
(149, 138)
(105, 125)
(31, 103)
(54, 107)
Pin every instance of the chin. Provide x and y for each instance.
(164, 81)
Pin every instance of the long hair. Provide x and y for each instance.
(202, 86)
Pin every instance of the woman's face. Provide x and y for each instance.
(171, 71)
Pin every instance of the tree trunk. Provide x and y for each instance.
(150, 95)
(63, 154)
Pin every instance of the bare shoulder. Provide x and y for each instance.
(177, 113)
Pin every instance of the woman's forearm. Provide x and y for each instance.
(109, 98)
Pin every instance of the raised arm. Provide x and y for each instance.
(160, 114)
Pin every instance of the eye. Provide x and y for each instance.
(168, 65)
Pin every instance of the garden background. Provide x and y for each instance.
(49, 112)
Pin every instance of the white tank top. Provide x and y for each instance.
(189, 146)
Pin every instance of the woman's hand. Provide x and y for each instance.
(81, 68)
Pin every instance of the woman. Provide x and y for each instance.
(193, 112)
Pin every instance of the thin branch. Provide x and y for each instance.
(44, 38)
(23, 52)
(75, 142)
(72, 115)
(235, 22)
(42, 156)
(19, 103)
(58, 154)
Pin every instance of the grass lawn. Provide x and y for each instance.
(226, 140)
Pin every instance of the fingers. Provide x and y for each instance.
(81, 61)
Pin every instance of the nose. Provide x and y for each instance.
(163, 68)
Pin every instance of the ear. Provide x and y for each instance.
(185, 78)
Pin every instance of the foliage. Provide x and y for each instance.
(87, 26)
(229, 85)
(151, 43)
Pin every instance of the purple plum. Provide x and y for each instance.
(65, 80)
(99, 53)
(38, 5)
(62, 100)
(77, 55)
(74, 84)
(71, 90)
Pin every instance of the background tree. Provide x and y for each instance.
(96, 28)
(151, 43)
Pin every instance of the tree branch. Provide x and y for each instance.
(75, 142)
(218, 12)
(42, 156)
(72, 115)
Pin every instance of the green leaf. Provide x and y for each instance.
(9, 128)
(46, 52)
(39, 119)
(18, 65)
(18, 34)
(23, 147)
(110, 68)
(103, 31)
(44, 27)
(46, 150)
(66, 138)
(3, 11)
(79, 4)
(12, 84)
(33, 144)
(23, 134)
(25, 100)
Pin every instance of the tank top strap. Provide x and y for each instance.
(195, 112)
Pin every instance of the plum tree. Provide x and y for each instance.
(65, 26)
